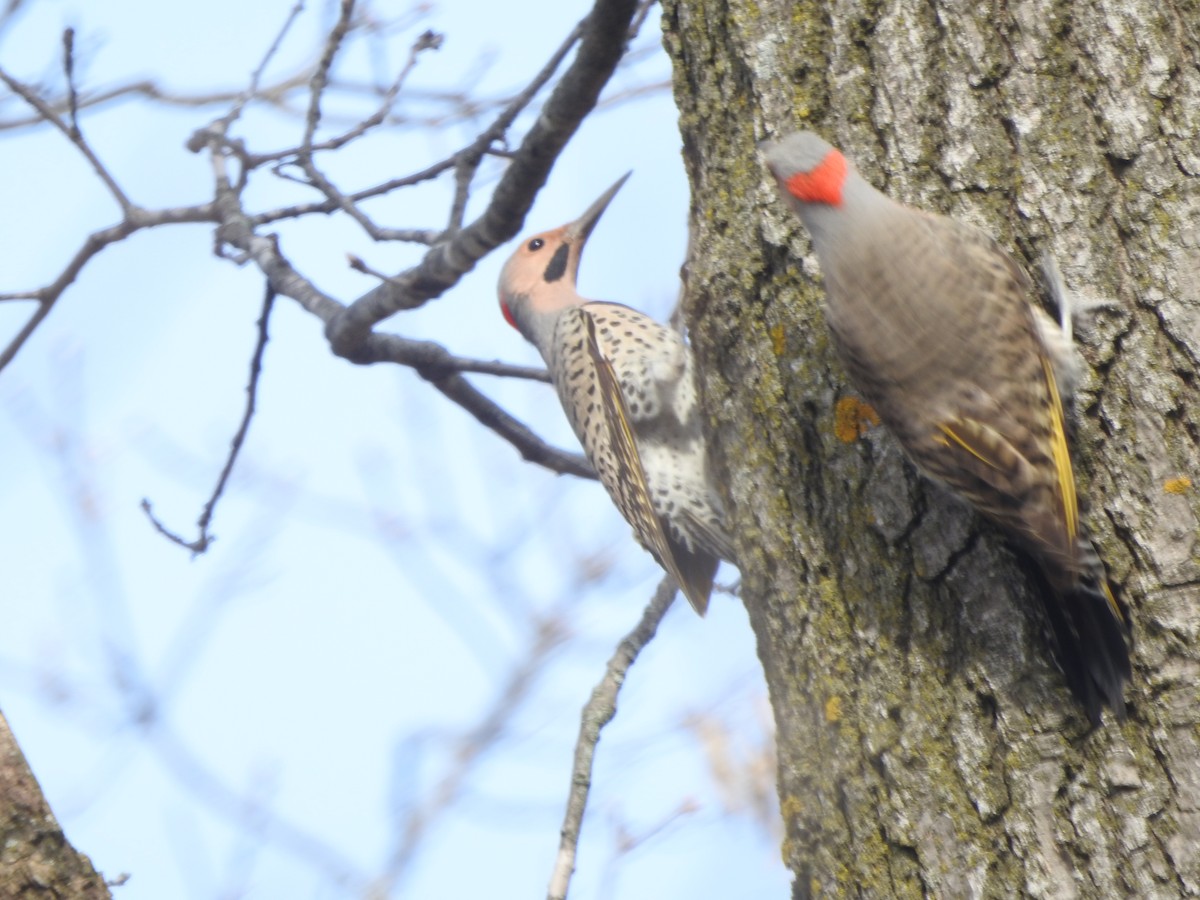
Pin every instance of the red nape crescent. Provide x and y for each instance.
(508, 316)
(823, 184)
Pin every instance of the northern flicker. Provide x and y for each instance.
(935, 325)
(628, 388)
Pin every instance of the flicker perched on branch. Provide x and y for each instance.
(628, 388)
(934, 323)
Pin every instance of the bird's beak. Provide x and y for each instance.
(579, 230)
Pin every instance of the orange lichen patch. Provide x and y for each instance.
(852, 418)
(833, 710)
(1178, 485)
(777, 334)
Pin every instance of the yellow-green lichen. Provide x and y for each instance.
(833, 710)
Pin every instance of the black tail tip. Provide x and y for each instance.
(1093, 642)
(1095, 697)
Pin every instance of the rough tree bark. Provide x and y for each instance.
(35, 858)
(927, 745)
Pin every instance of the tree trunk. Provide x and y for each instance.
(927, 744)
(35, 858)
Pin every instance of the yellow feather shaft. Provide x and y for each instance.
(1062, 456)
(949, 432)
(1112, 602)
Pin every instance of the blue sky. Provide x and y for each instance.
(380, 559)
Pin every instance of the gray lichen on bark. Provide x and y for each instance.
(927, 745)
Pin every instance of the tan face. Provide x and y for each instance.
(540, 265)
(540, 275)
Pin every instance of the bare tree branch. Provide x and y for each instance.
(465, 162)
(441, 369)
(135, 220)
(69, 74)
(257, 74)
(640, 14)
(532, 448)
(459, 105)
(440, 357)
(602, 38)
(203, 539)
(274, 95)
(74, 135)
(320, 77)
(332, 205)
(603, 43)
(430, 360)
(428, 40)
(598, 712)
(251, 91)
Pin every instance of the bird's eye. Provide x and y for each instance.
(536, 244)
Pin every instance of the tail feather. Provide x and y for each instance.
(708, 534)
(1092, 639)
(697, 569)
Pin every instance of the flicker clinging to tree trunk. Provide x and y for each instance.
(935, 325)
(628, 388)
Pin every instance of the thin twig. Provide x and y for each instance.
(251, 91)
(204, 539)
(135, 220)
(328, 205)
(150, 90)
(616, 98)
(460, 107)
(27, 330)
(320, 76)
(598, 712)
(30, 96)
(531, 447)
(69, 73)
(256, 75)
(428, 40)
(464, 173)
(277, 94)
(495, 367)
(639, 17)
